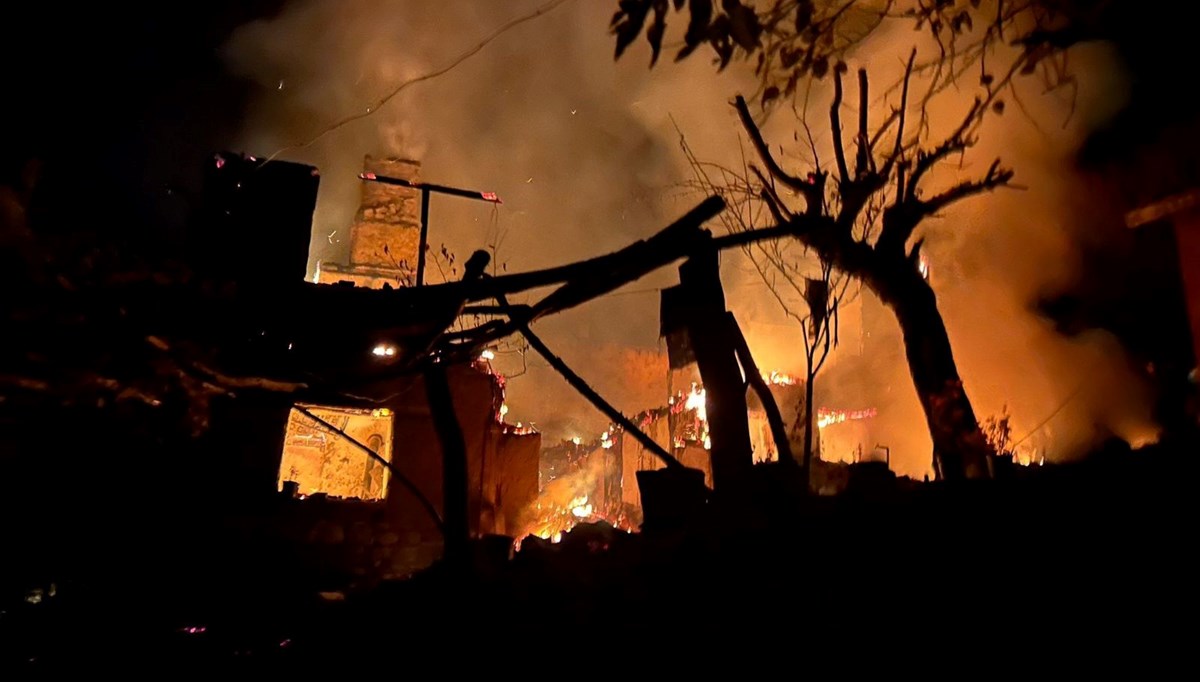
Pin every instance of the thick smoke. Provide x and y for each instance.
(585, 154)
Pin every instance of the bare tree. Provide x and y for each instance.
(861, 225)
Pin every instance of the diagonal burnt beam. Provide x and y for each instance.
(754, 378)
(577, 382)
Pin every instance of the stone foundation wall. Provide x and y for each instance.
(369, 278)
(356, 540)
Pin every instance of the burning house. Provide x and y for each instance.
(513, 490)
(362, 472)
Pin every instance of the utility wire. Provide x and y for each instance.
(553, 4)
(1053, 414)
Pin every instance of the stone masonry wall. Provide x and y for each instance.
(387, 228)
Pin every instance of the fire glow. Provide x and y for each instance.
(777, 378)
(553, 520)
(827, 417)
(557, 513)
(697, 401)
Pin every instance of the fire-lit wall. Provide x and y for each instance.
(395, 535)
(318, 460)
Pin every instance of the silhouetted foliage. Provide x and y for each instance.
(791, 40)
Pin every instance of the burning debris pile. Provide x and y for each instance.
(594, 479)
(579, 485)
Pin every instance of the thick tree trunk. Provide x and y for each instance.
(960, 449)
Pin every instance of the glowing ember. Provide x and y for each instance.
(194, 629)
(487, 354)
(503, 410)
(520, 429)
(923, 266)
(606, 441)
(827, 417)
(576, 440)
(384, 350)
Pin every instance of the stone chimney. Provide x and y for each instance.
(386, 231)
(387, 216)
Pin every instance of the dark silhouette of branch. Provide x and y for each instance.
(773, 200)
(958, 141)
(995, 177)
(812, 190)
(760, 387)
(835, 124)
(901, 113)
(864, 162)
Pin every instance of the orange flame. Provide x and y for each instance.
(553, 521)
(778, 378)
(827, 417)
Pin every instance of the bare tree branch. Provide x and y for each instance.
(902, 112)
(995, 177)
(835, 125)
(771, 198)
(864, 162)
(811, 190)
(956, 142)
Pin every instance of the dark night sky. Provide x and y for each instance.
(120, 102)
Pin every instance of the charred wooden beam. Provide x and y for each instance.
(754, 378)
(455, 505)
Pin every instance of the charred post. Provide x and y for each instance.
(716, 356)
(455, 513)
(763, 391)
